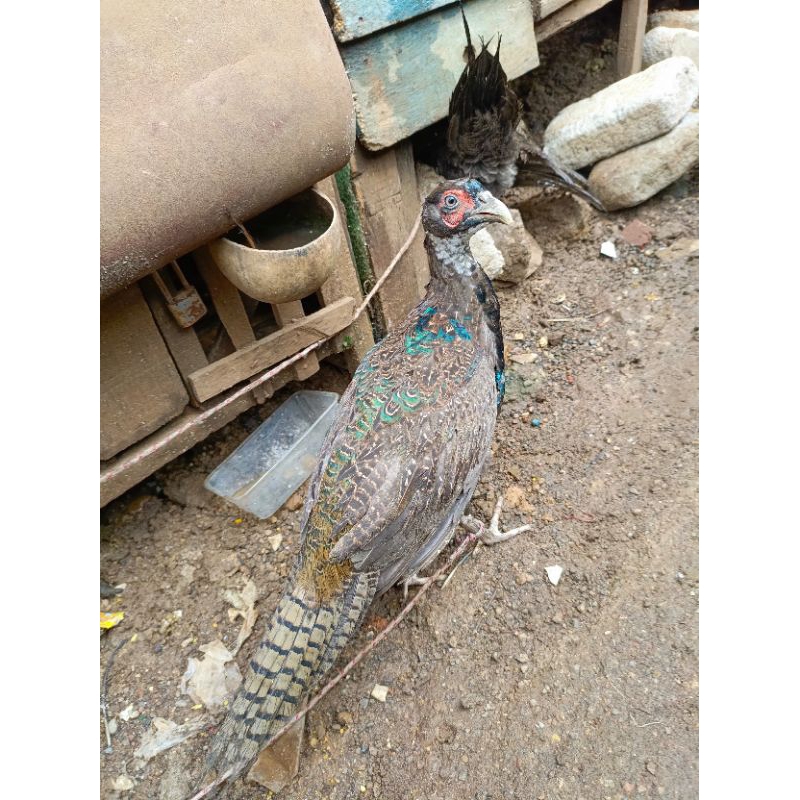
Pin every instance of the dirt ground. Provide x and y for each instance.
(501, 685)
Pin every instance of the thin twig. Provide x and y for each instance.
(471, 537)
(104, 691)
(577, 319)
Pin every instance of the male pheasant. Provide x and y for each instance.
(487, 137)
(397, 470)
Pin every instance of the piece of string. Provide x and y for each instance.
(200, 418)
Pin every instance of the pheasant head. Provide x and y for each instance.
(460, 208)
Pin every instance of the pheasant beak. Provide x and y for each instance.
(488, 207)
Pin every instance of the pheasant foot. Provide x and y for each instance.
(492, 534)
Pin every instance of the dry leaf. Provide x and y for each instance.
(164, 733)
(243, 605)
(213, 679)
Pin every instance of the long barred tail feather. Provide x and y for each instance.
(303, 642)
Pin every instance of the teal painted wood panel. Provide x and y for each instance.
(402, 78)
(353, 19)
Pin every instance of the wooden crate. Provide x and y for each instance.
(207, 379)
(140, 389)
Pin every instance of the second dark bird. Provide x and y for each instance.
(487, 138)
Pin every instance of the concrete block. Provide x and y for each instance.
(675, 19)
(627, 113)
(630, 178)
(663, 42)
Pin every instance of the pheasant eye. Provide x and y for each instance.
(450, 201)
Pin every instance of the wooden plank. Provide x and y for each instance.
(182, 343)
(403, 77)
(243, 364)
(285, 313)
(227, 300)
(353, 19)
(344, 282)
(144, 458)
(631, 36)
(140, 389)
(548, 7)
(385, 186)
(566, 16)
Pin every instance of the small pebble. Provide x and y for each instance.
(608, 249)
(536, 422)
(379, 692)
(554, 573)
(123, 783)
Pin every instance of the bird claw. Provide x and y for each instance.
(413, 580)
(492, 534)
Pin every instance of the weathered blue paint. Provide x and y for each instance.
(402, 77)
(353, 19)
(500, 383)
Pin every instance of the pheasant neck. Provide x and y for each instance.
(460, 286)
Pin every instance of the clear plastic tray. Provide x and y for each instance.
(263, 472)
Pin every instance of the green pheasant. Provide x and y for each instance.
(397, 471)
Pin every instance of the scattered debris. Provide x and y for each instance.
(536, 422)
(213, 679)
(524, 358)
(608, 249)
(543, 341)
(379, 692)
(110, 619)
(164, 733)
(637, 233)
(275, 541)
(243, 606)
(554, 573)
(679, 249)
(123, 783)
(128, 713)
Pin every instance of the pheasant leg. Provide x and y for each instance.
(492, 534)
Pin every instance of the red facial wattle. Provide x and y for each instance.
(453, 217)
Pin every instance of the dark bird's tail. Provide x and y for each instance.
(535, 167)
(470, 48)
(304, 640)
